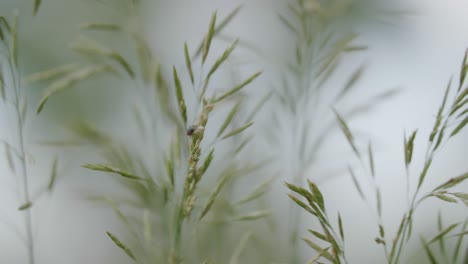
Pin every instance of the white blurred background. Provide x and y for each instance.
(419, 53)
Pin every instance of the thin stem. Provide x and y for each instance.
(24, 168)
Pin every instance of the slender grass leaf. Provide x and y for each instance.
(379, 202)
(105, 168)
(218, 29)
(444, 197)
(216, 65)
(259, 106)
(381, 231)
(237, 87)
(440, 228)
(119, 244)
(320, 254)
(25, 206)
(319, 235)
(257, 192)
(371, 160)
(317, 248)
(456, 250)
(440, 236)
(100, 26)
(53, 174)
(188, 63)
(253, 216)
(2, 84)
(228, 119)
(439, 113)
(452, 182)
(356, 183)
(424, 172)
(52, 73)
(37, 4)
(237, 131)
(409, 146)
(240, 247)
(9, 157)
(302, 205)
(180, 96)
(14, 41)
(209, 37)
(243, 144)
(351, 82)
(340, 226)
(428, 251)
(91, 48)
(70, 80)
(345, 129)
(459, 127)
(287, 24)
(206, 163)
(213, 196)
(169, 163)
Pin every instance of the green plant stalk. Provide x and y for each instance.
(193, 177)
(24, 169)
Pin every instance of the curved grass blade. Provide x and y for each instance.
(70, 80)
(37, 4)
(105, 168)
(180, 95)
(188, 63)
(119, 244)
(237, 87)
(218, 29)
(237, 131)
(209, 37)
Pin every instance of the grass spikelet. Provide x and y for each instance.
(100, 26)
(349, 136)
(209, 37)
(188, 63)
(424, 172)
(356, 183)
(237, 131)
(119, 244)
(52, 73)
(53, 175)
(14, 41)
(206, 163)
(218, 63)
(355, 77)
(70, 80)
(428, 251)
(340, 226)
(25, 206)
(219, 28)
(318, 248)
(228, 119)
(37, 4)
(105, 168)
(371, 160)
(2, 86)
(459, 127)
(180, 96)
(452, 182)
(213, 196)
(240, 247)
(409, 148)
(253, 216)
(439, 113)
(237, 87)
(258, 191)
(89, 47)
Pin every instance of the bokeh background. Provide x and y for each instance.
(417, 49)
